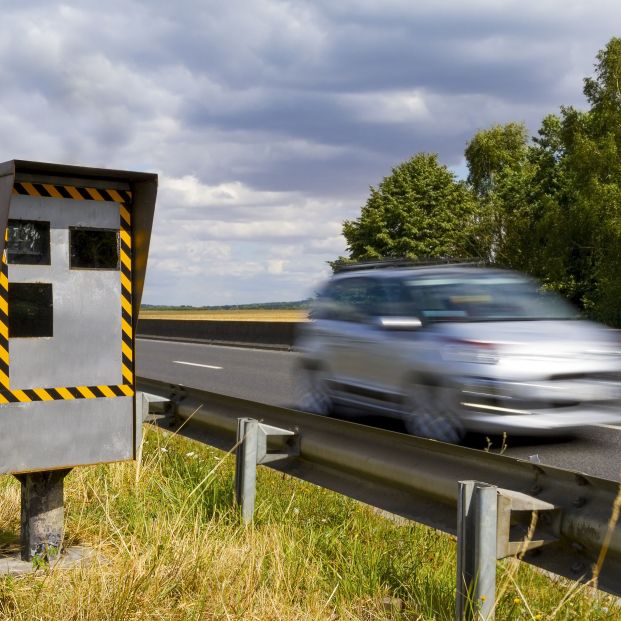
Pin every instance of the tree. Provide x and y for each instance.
(552, 207)
(499, 174)
(579, 160)
(493, 151)
(419, 210)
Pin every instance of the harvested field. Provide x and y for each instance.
(228, 315)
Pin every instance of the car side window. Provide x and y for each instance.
(360, 298)
(348, 299)
(390, 300)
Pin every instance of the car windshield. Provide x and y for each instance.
(486, 298)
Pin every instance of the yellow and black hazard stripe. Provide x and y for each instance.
(126, 389)
(56, 394)
(4, 320)
(47, 190)
(127, 364)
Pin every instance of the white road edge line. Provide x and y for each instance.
(196, 364)
(617, 427)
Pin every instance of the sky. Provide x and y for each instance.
(267, 121)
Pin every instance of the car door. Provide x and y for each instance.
(342, 317)
(364, 357)
(383, 352)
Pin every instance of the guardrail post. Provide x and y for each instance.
(493, 523)
(476, 551)
(246, 466)
(251, 451)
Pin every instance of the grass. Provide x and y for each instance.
(255, 314)
(173, 548)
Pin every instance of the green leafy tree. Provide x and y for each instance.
(552, 206)
(500, 175)
(578, 185)
(492, 152)
(420, 210)
(540, 236)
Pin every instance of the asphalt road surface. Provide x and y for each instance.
(268, 376)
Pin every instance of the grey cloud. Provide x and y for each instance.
(315, 117)
(386, 48)
(299, 98)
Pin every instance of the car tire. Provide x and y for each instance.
(311, 392)
(431, 410)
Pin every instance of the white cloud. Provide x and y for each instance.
(388, 107)
(188, 191)
(276, 267)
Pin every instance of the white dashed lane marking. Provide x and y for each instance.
(196, 364)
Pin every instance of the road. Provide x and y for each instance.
(255, 374)
(267, 376)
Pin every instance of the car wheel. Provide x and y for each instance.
(431, 410)
(312, 394)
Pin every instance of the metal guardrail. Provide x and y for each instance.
(418, 478)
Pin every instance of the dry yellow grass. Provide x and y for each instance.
(171, 547)
(228, 315)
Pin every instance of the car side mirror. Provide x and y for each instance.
(399, 323)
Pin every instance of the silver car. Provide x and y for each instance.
(450, 348)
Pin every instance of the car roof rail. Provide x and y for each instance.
(412, 263)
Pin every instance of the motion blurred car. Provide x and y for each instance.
(456, 347)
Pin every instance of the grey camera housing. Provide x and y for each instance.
(73, 265)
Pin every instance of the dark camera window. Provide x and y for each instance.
(30, 310)
(96, 249)
(28, 242)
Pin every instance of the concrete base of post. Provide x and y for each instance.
(42, 519)
(13, 565)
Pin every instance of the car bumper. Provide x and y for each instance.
(539, 407)
(540, 423)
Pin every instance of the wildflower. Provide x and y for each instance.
(190, 454)
(516, 600)
(164, 449)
